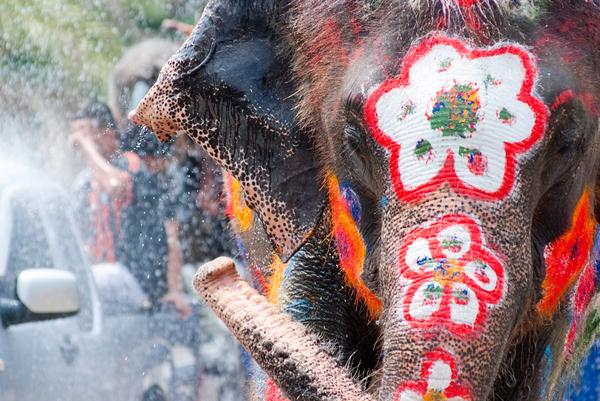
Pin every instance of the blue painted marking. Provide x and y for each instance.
(353, 201)
(288, 271)
(300, 309)
(595, 256)
(586, 387)
(384, 201)
(438, 106)
(421, 260)
(547, 374)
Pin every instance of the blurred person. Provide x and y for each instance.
(130, 79)
(189, 182)
(189, 206)
(168, 184)
(205, 230)
(118, 199)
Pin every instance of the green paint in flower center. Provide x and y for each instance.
(452, 243)
(506, 116)
(433, 291)
(422, 149)
(455, 111)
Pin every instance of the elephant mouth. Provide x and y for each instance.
(304, 367)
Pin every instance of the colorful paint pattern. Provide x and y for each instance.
(272, 392)
(455, 111)
(453, 276)
(459, 116)
(439, 381)
(567, 256)
(345, 210)
(236, 208)
(583, 325)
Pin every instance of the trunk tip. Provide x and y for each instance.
(210, 271)
(163, 130)
(134, 116)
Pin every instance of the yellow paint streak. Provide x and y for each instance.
(434, 395)
(237, 209)
(278, 269)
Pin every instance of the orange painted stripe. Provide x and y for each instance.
(351, 247)
(567, 256)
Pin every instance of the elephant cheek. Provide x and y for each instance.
(302, 367)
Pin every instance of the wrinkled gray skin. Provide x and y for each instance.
(241, 85)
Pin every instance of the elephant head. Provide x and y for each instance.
(449, 148)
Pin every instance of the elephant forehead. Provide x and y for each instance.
(459, 115)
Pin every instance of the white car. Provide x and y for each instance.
(70, 332)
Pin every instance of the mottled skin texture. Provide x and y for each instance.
(318, 298)
(275, 93)
(277, 342)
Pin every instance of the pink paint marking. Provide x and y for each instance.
(453, 277)
(466, 3)
(587, 99)
(439, 381)
(272, 392)
(584, 291)
(258, 277)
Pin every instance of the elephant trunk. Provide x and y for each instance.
(452, 297)
(302, 367)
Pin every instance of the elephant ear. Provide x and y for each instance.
(228, 87)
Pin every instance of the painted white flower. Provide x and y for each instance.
(459, 116)
(437, 383)
(452, 276)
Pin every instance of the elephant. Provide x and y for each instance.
(414, 184)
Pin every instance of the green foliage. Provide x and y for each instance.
(67, 48)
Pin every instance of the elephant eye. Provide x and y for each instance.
(353, 139)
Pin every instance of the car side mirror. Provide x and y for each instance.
(41, 294)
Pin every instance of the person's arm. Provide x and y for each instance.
(171, 24)
(112, 179)
(175, 261)
(174, 264)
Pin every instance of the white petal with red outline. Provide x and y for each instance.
(426, 301)
(455, 241)
(440, 376)
(464, 305)
(409, 395)
(418, 256)
(482, 275)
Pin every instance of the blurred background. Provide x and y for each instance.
(56, 54)
(101, 226)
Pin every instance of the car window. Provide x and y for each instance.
(66, 249)
(62, 238)
(28, 244)
(42, 236)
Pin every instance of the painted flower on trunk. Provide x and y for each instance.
(453, 276)
(459, 116)
(438, 381)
